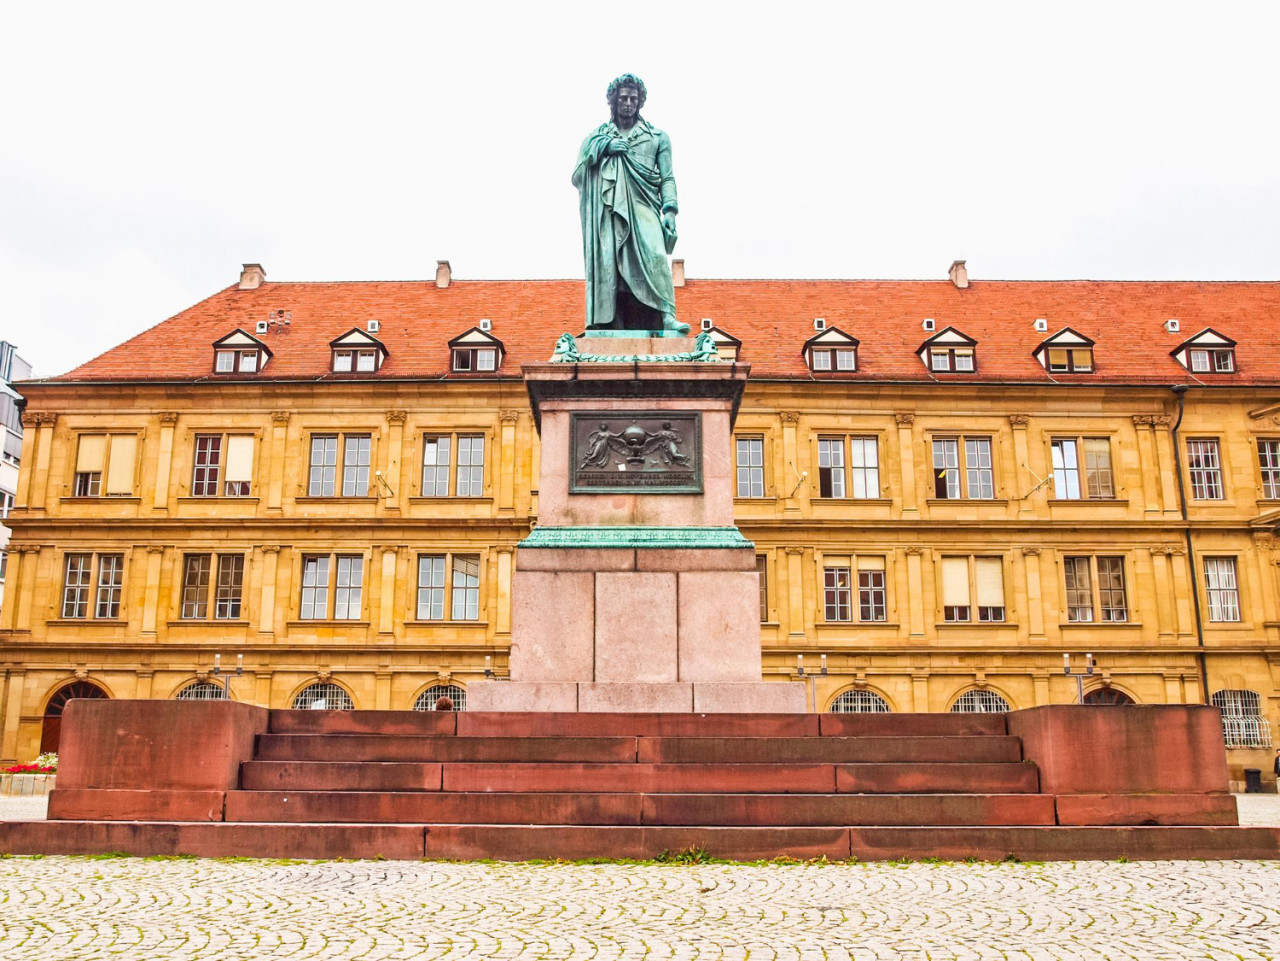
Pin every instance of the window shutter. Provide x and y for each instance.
(1057, 357)
(870, 562)
(93, 448)
(955, 581)
(1082, 358)
(990, 577)
(124, 450)
(239, 458)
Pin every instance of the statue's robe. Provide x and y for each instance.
(621, 198)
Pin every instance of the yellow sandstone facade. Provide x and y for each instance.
(914, 598)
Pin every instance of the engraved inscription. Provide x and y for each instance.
(641, 451)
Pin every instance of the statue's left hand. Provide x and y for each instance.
(669, 222)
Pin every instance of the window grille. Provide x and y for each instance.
(1242, 722)
(1107, 696)
(427, 699)
(860, 702)
(980, 702)
(323, 697)
(202, 691)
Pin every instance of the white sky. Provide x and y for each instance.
(146, 151)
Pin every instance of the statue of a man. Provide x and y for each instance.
(627, 197)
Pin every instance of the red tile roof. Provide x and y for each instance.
(773, 319)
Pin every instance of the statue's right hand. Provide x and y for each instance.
(617, 145)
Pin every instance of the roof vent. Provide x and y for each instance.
(927, 323)
(819, 323)
(959, 274)
(252, 276)
(263, 326)
(486, 324)
(372, 326)
(677, 272)
(1173, 325)
(1042, 325)
(444, 273)
(707, 323)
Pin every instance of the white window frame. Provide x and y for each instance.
(962, 474)
(1073, 478)
(1204, 469)
(348, 475)
(99, 589)
(215, 604)
(1269, 467)
(750, 475)
(461, 602)
(328, 594)
(1222, 589)
(1096, 612)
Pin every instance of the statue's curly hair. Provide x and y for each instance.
(627, 80)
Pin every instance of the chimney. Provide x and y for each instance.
(959, 274)
(677, 272)
(444, 273)
(252, 276)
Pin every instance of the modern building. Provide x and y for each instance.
(12, 367)
(953, 487)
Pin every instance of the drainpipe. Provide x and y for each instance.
(1180, 391)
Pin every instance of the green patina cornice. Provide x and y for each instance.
(567, 352)
(696, 538)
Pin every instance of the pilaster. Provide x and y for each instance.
(392, 479)
(915, 589)
(1021, 457)
(267, 601)
(907, 463)
(1035, 597)
(164, 460)
(509, 419)
(795, 593)
(279, 457)
(151, 597)
(387, 593)
(502, 618)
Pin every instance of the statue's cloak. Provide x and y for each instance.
(621, 197)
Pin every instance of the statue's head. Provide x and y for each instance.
(626, 95)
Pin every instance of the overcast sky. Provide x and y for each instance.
(147, 151)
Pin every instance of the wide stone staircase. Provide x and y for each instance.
(524, 786)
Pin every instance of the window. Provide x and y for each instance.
(1269, 464)
(980, 702)
(862, 479)
(834, 358)
(1108, 697)
(1071, 360)
(859, 702)
(436, 452)
(480, 359)
(1080, 573)
(323, 697)
(750, 466)
(871, 592)
(1219, 361)
(762, 572)
(970, 583)
(222, 465)
(6, 503)
(836, 591)
(112, 455)
(837, 576)
(1220, 583)
(951, 359)
(356, 451)
(426, 701)
(202, 691)
(198, 571)
(979, 481)
(1205, 468)
(1242, 722)
(237, 361)
(93, 582)
(1097, 480)
(338, 576)
(463, 588)
(360, 360)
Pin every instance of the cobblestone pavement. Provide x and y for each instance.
(128, 908)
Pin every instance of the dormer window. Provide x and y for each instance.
(831, 350)
(727, 346)
(357, 352)
(475, 351)
(1066, 352)
(1208, 352)
(949, 352)
(239, 353)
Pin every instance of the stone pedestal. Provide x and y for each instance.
(630, 596)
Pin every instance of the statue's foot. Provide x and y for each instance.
(669, 322)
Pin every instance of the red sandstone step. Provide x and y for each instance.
(519, 842)
(542, 724)
(421, 808)
(339, 776)
(918, 750)
(1021, 777)
(420, 723)
(1145, 809)
(781, 810)
(914, 725)
(371, 747)
(643, 778)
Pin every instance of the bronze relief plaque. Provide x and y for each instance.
(638, 452)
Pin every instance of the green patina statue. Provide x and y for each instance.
(627, 198)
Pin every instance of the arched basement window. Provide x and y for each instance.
(859, 702)
(323, 697)
(1108, 696)
(980, 702)
(427, 699)
(202, 691)
(51, 726)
